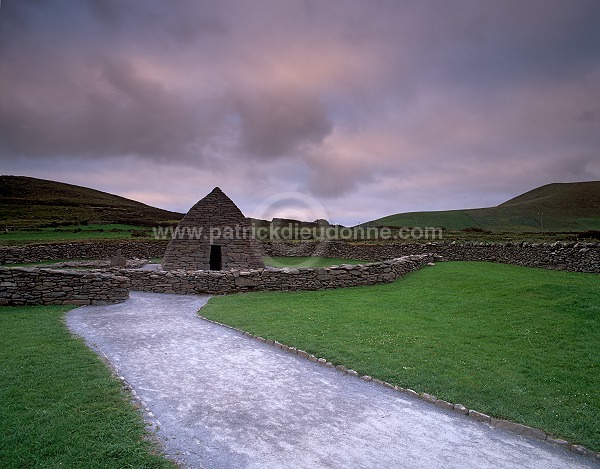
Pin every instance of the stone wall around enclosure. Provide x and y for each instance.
(34, 286)
(571, 256)
(31, 253)
(287, 279)
(385, 263)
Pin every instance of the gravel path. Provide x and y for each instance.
(222, 400)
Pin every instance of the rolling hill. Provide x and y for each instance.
(27, 202)
(559, 207)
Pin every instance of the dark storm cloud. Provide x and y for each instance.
(328, 96)
(92, 101)
(276, 122)
(590, 115)
(107, 110)
(88, 100)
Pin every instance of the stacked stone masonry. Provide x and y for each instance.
(213, 235)
(81, 250)
(571, 256)
(33, 286)
(212, 282)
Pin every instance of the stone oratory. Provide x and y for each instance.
(213, 235)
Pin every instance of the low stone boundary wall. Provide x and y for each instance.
(576, 257)
(90, 264)
(33, 286)
(216, 282)
(81, 250)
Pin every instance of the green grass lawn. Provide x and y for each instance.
(513, 342)
(308, 261)
(94, 232)
(59, 404)
(74, 233)
(41, 264)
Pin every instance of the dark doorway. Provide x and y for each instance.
(215, 257)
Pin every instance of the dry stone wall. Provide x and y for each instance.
(31, 253)
(571, 256)
(578, 257)
(51, 286)
(33, 286)
(215, 282)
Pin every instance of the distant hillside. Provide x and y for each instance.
(30, 202)
(553, 207)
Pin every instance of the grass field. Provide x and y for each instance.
(59, 404)
(74, 233)
(39, 264)
(308, 261)
(117, 231)
(513, 342)
(91, 232)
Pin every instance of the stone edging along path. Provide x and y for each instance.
(513, 427)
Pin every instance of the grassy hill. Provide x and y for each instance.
(27, 202)
(555, 207)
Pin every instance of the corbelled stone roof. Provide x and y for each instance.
(213, 221)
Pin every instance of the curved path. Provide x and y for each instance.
(222, 400)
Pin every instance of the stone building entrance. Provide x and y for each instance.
(215, 257)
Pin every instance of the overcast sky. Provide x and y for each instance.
(366, 108)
